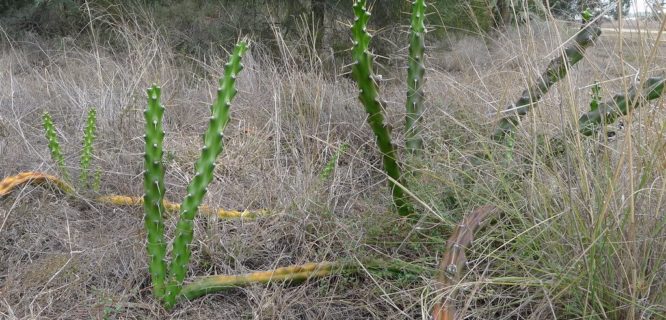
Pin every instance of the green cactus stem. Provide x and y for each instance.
(54, 145)
(608, 112)
(196, 190)
(299, 273)
(86, 153)
(330, 165)
(153, 185)
(556, 70)
(415, 79)
(369, 96)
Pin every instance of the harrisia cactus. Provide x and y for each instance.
(330, 165)
(86, 154)
(54, 145)
(556, 70)
(607, 112)
(369, 96)
(299, 273)
(415, 72)
(196, 190)
(153, 185)
(217, 283)
(175, 207)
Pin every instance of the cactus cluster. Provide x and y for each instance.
(168, 281)
(369, 96)
(86, 153)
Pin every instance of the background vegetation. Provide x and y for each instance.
(581, 233)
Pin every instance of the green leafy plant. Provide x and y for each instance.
(369, 96)
(596, 96)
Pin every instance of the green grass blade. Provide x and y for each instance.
(204, 167)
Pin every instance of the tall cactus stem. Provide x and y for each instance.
(204, 167)
(86, 153)
(153, 184)
(54, 145)
(415, 79)
(369, 96)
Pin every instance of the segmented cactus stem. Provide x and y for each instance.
(175, 207)
(556, 70)
(153, 185)
(298, 273)
(415, 78)
(54, 145)
(86, 153)
(369, 96)
(204, 167)
(607, 112)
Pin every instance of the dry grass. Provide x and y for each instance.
(67, 258)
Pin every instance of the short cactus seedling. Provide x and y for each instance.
(86, 154)
(54, 145)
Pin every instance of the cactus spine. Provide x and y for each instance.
(86, 154)
(54, 145)
(415, 72)
(362, 74)
(196, 190)
(153, 184)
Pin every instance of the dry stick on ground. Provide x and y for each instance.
(454, 258)
(556, 70)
